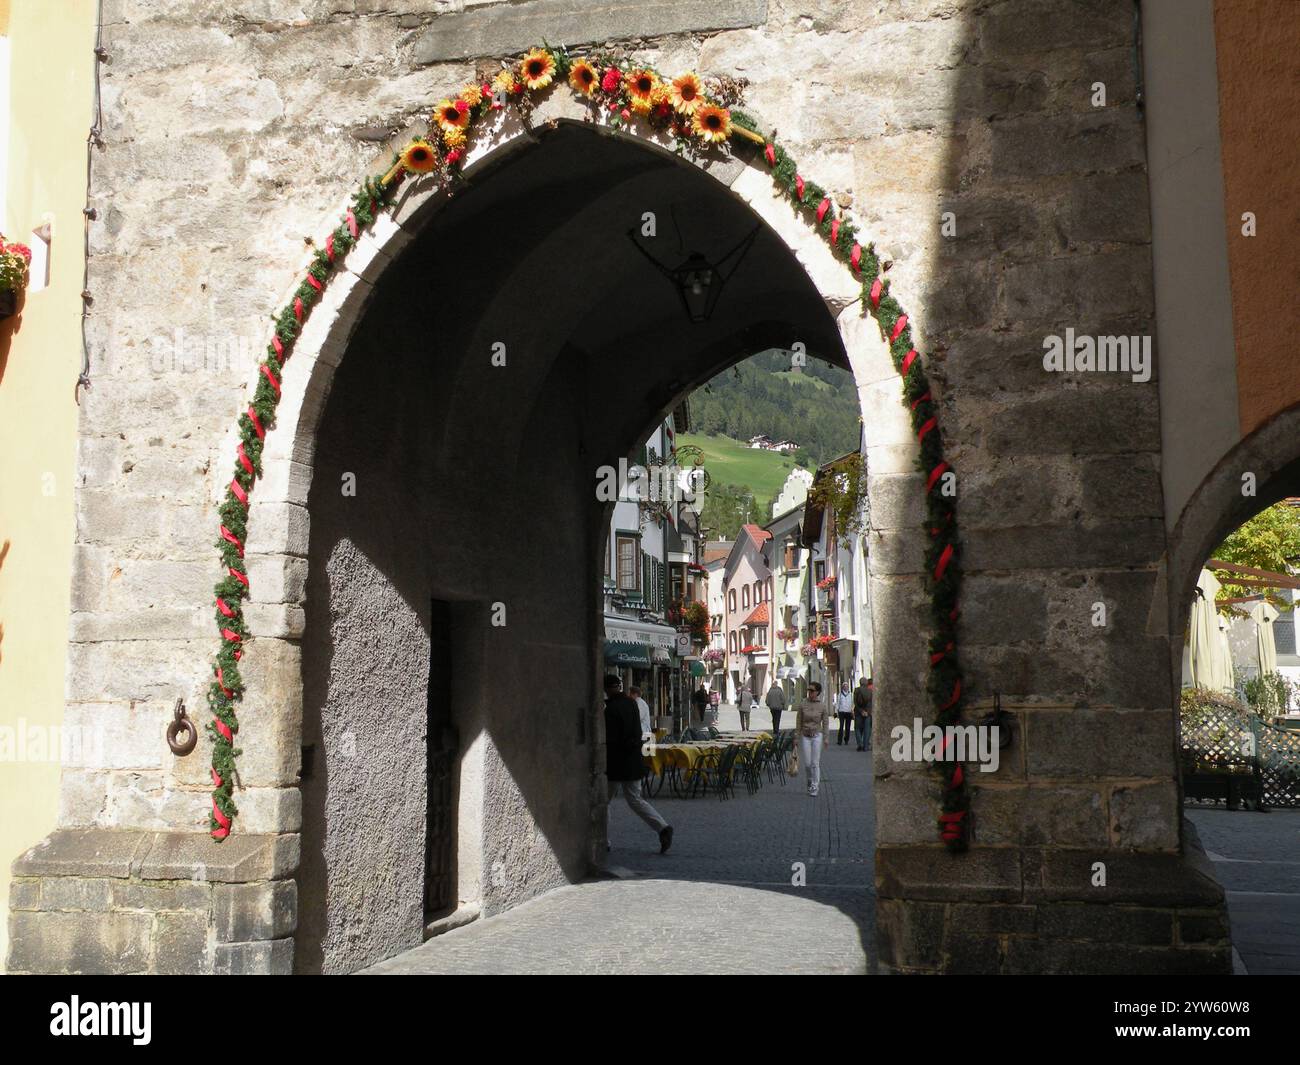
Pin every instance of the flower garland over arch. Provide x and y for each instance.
(699, 113)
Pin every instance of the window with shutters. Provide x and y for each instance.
(629, 569)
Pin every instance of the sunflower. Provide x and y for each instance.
(583, 77)
(712, 123)
(472, 95)
(641, 105)
(419, 157)
(641, 85)
(687, 93)
(450, 116)
(453, 138)
(537, 68)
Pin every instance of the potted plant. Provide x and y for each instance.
(14, 261)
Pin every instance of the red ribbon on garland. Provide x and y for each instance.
(945, 556)
(908, 359)
(822, 208)
(226, 534)
(899, 326)
(876, 289)
(935, 474)
(266, 372)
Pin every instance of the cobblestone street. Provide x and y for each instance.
(721, 901)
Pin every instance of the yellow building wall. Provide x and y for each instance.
(51, 75)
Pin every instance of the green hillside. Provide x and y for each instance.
(731, 462)
(817, 407)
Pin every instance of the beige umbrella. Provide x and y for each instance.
(1264, 615)
(1203, 633)
(1227, 680)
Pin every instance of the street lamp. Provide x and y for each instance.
(698, 281)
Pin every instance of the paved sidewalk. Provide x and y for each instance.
(721, 901)
(1257, 860)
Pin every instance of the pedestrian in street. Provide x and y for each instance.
(776, 704)
(643, 708)
(623, 765)
(811, 724)
(700, 701)
(844, 711)
(863, 697)
(744, 703)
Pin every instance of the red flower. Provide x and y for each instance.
(612, 79)
(453, 156)
(487, 89)
(462, 106)
(19, 249)
(627, 115)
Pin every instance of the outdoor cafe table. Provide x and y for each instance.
(689, 755)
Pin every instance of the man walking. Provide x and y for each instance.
(700, 700)
(776, 704)
(744, 701)
(643, 711)
(844, 711)
(863, 697)
(623, 765)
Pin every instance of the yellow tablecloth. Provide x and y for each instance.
(660, 756)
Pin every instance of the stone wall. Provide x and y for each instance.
(87, 901)
(234, 130)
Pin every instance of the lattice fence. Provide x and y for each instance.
(1228, 752)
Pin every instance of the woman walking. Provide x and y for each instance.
(811, 724)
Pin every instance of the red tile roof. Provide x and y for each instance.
(760, 616)
(757, 533)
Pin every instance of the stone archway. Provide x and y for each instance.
(318, 363)
(1222, 502)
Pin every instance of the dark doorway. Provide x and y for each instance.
(441, 745)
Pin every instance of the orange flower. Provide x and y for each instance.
(453, 138)
(583, 77)
(450, 116)
(537, 68)
(712, 123)
(641, 85)
(472, 95)
(419, 158)
(687, 93)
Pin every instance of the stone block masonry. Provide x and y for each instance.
(234, 132)
(94, 901)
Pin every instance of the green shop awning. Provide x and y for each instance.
(697, 669)
(618, 653)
